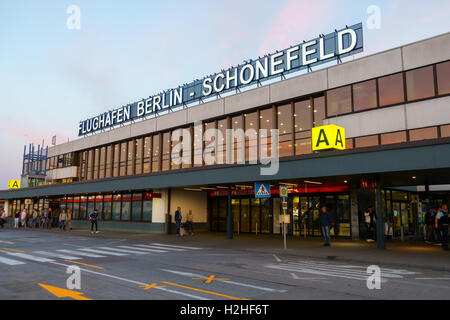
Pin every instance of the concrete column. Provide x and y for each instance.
(354, 212)
(229, 216)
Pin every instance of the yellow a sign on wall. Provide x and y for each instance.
(14, 184)
(328, 137)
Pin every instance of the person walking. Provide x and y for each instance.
(69, 219)
(93, 218)
(44, 219)
(429, 225)
(62, 220)
(16, 219)
(190, 223)
(23, 219)
(442, 222)
(49, 218)
(325, 218)
(34, 218)
(178, 218)
(3, 217)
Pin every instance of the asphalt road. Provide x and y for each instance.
(169, 268)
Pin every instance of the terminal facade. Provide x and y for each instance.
(394, 106)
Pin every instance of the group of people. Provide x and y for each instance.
(436, 223)
(188, 226)
(46, 219)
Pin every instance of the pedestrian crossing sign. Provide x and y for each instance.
(262, 190)
(14, 184)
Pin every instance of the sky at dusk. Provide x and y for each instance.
(52, 77)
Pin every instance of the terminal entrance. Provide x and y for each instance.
(262, 215)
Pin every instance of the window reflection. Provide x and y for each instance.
(390, 89)
(420, 83)
(423, 134)
(368, 141)
(339, 101)
(365, 95)
(285, 129)
(443, 77)
(395, 137)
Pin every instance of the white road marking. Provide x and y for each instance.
(159, 247)
(80, 253)
(29, 257)
(137, 282)
(10, 262)
(56, 255)
(276, 258)
(432, 278)
(193, 275)
(122, 250)
(174, 246)
(104, 252)
(143, 249)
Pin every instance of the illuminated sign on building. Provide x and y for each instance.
(328, 137)
(326, 48)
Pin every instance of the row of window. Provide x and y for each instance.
(136, 207)
(400, 136)
(413, 85)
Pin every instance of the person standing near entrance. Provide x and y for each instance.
(429, 223)
(16, 219)
(178, 218)
(62, 220)
(190, 223)
(442, 222)
(370, 219)
(94, 217)
(23, 218)
(49, 218)
(325, 218)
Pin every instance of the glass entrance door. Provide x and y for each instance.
(402, 218)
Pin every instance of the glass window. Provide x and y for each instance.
(90, 166)
(107, 207)
(147, 207)
(423, 134)
(116, 205)
(166, 151)
(96, 163)
(83, 208)
(443, 77)
(420, 83)
(365, 95)
(147, 154)
(116, 160)
(99, 205)
(126, 207)
(222, 126)
(138, 155)
(303, 146)
(391, 89)
(395, 137)
(136, 209)
(319, 111)
(123, 159)
(197, 146)
(109, 162)
(91, 205)
(130, 157)
(176, 159)
(368, 141)
(187, 161)
(266, 122)
(339, 101)
(156, 153)
(349, 143)
(76, 208)
(101, 173)
(251, 137)
(303, 116)
(445, 131)
(285, 128)
(211, 143)
(238, 145)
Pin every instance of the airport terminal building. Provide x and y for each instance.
(394, 106)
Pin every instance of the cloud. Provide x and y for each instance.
(294, 22)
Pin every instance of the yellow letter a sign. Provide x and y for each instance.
(328, 137)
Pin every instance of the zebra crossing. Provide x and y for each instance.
(351, 272)
(101, 251)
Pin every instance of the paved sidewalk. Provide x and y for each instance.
(406, 254)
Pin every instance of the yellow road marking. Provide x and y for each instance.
(84, 264)
(210, 279)
(64, 293)
(9, 249)
(204, 291)
(153, 285)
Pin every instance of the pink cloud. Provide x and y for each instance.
(295, 20)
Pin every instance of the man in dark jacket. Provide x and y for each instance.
(325, 219)
(429, 222)
(178, 218)
(94, 217)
